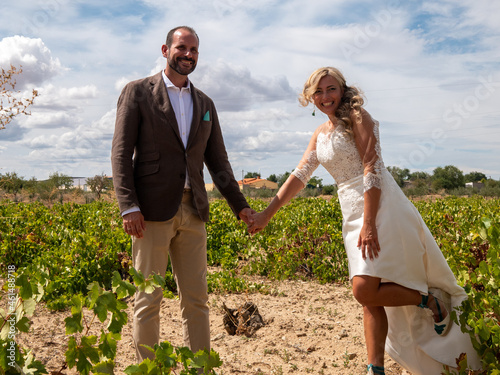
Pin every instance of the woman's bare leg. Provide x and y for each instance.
(375, 326)
(374, 295)
(369, 291)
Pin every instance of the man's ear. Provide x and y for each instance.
(164, 50)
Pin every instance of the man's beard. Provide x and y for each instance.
(174, 64)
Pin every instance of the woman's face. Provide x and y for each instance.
(328, 95)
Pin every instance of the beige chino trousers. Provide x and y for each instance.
(183, 239)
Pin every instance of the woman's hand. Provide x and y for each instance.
(260, 220)
(368, 241)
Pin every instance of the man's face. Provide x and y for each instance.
(182, 55)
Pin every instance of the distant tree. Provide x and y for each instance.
(98, 184)
(399, 175)
(11, 183)
(10, 103)
(60, 181)
(474, 177)
(330, 189)
(282, 178)
(419, 175)
(31, 187)
(449, 177)
(491, 183)
(272, 178)
(252, 175)
(315, 182)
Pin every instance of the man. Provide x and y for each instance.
(165, 130)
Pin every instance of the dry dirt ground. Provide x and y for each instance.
(309, 329)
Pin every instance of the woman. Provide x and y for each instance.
(397, 271)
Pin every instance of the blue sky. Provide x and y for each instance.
(430, 71)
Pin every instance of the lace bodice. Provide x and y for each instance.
(337, 152)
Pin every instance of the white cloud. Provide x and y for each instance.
(48, 120)
(415, 61)
(33, 56)
(233, 88)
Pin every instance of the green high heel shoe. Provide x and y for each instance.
(443, 303)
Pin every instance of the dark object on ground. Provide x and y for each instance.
(244, 320)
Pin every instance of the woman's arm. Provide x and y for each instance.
(295, 183)
(366, 144)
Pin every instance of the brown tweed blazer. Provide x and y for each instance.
(149, 160)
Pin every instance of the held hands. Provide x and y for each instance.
(246, 215)
(368, 241)
(255, 221)
(259, 222)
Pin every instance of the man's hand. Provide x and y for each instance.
(246, 215)
(133, 224)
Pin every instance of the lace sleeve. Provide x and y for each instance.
(368, 144)
(305, 170)
(371, 180)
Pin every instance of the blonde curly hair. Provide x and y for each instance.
(352, 98)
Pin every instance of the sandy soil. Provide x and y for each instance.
(309, 329)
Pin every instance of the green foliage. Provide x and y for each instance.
(474, 177)
(65, 247)
(449, 177)
(78, 256)
(11, 182)
(252, 175)
(399, 175)
(60, 181)
(90, 353)
(282, 178)
(329, 190)
(99, 183)
(315, 182)
(22, 295)
(480, 313)
(468, 232)
(272, 178)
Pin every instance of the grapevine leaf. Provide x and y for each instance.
(29, 306)
(23, 325)
(25, 290)
(93, 294)
(103, 368)
(108, 344)
(146, 367)
(71, 353)
(121, 287)
(165, 354)
(137, 276)
(74, 323)
(117, 321)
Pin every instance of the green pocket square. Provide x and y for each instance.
(206, 117)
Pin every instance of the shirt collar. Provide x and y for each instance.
(169, 84)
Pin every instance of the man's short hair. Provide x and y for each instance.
(170, 35)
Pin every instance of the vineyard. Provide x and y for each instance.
(72, 256)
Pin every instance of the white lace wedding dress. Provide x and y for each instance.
(409, 255)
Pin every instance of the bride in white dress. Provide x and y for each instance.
(397, 271)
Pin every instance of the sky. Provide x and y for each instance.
(429, 71)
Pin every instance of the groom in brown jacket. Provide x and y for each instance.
(165, 131)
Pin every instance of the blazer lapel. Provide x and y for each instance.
(160, 96)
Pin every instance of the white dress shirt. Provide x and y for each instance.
(182, 104)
